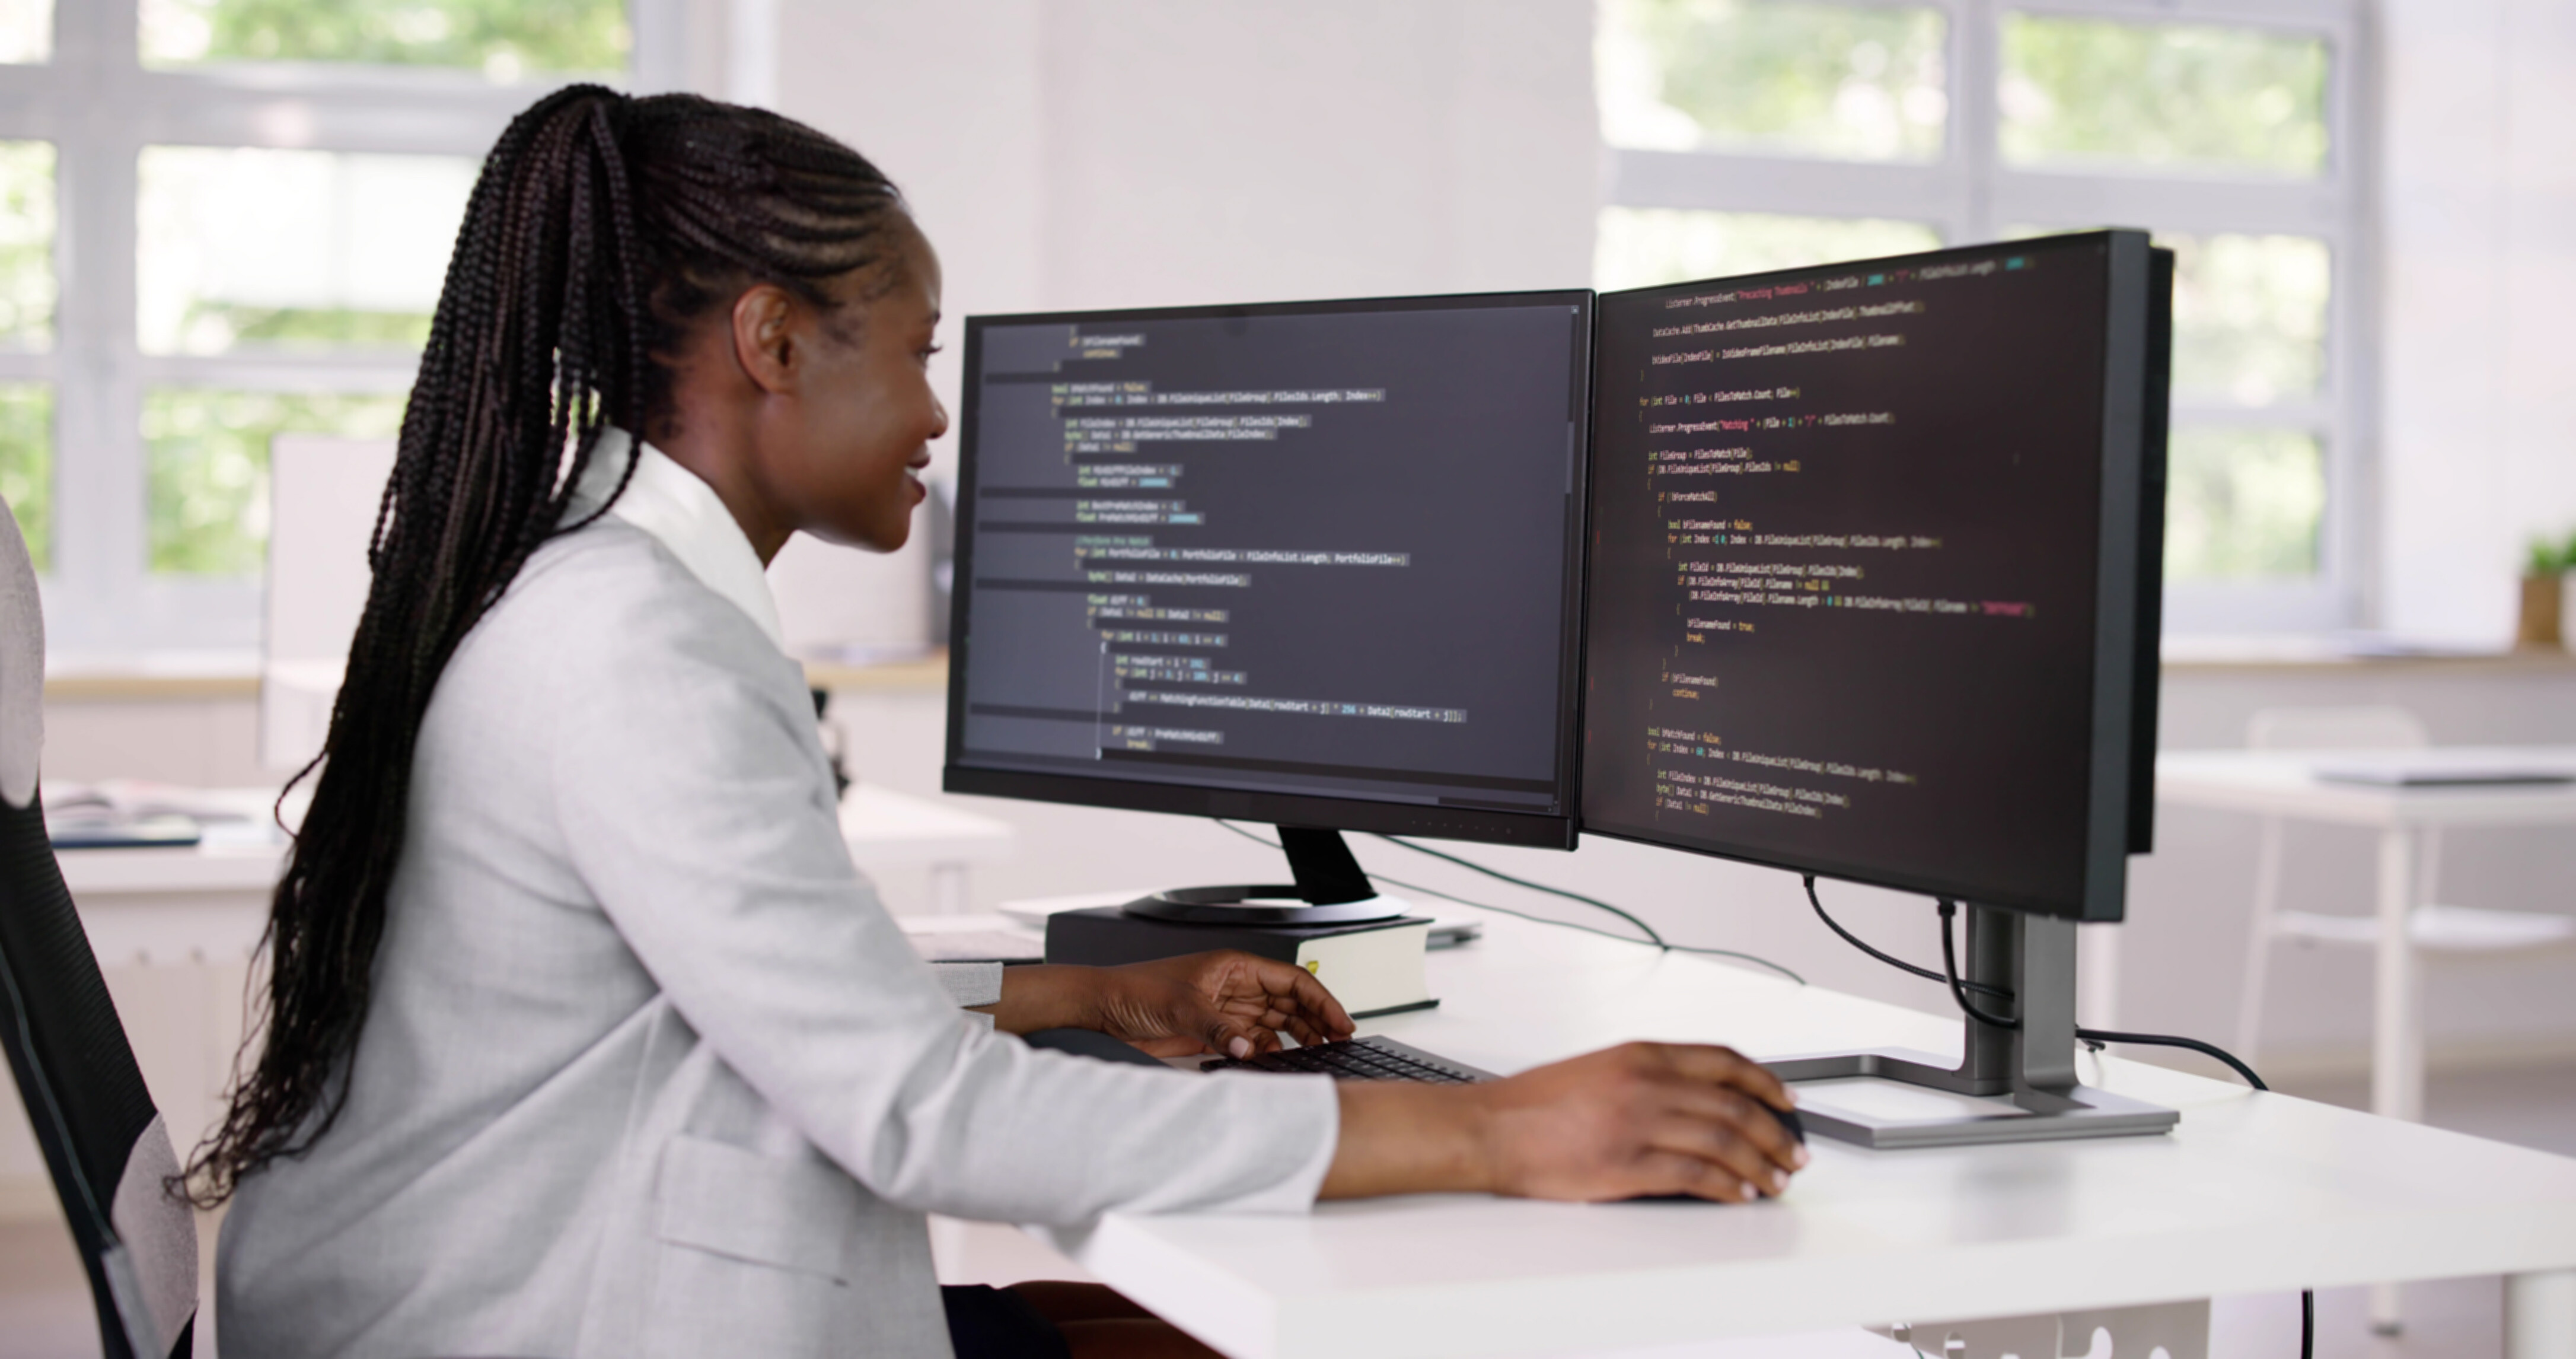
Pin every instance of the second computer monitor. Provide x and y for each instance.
(1307, 563)
(1867, 569)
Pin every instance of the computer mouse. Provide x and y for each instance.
(1786, 1118)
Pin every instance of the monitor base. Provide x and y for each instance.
(1836, 1099)
(2011, 1085)
(1330, 890)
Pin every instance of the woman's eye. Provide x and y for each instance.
(934, 349)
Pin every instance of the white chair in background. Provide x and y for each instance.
(322, 497)
(2432, 927)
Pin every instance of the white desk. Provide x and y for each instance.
(2252, 1193)
(210, 902)
(2284, 783)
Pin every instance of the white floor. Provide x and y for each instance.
(45, 1308)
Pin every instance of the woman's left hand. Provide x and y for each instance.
(1229, 1002)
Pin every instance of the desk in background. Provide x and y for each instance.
(2252, 1193)
(2285, 784)
(887, 829)
(174, 930)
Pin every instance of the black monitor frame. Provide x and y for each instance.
(2127, 585)
(1335, 813)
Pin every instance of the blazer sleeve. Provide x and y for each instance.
(969, 983)
(696, 805)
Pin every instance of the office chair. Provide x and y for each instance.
(104, 1142)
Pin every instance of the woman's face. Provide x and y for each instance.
(841, 465)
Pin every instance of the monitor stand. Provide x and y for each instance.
(2011, 1085)
(1330, 890)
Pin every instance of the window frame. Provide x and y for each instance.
(1969, 194)
(100, 106)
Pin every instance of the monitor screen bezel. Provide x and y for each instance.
(2119, 594)
(1545, 830)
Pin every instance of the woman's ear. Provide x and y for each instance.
(764, 340)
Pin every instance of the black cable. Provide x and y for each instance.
(1449, 896)
(1891, 960)
(1648, 930)
(1949, 976)
(1950, 966)
(1950, 973)
(2161, 1040)
(2307, 1297)
(1656, 942)
(1652, 936)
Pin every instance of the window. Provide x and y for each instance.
(1641, 247)
(1756, 134)
(263, 195)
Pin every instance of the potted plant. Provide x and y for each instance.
(2546, 599)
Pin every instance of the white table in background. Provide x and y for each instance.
(207, 905)
(887, 829)
(2251, 1193)
(210, 901)
(2285, 784)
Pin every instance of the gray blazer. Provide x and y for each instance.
(648, 1071)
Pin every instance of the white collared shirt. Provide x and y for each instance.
(685, 514)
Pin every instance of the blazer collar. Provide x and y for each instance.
(669, 502)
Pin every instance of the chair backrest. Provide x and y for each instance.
(104, 1143)
(2355, 728)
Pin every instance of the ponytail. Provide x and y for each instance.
(602, 230)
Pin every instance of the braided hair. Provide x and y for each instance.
(602, 231)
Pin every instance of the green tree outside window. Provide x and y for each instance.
(1643, 247)
(207, 464)
(2243, 504)
(501, 38)
(26, 31)
(27, 464)
(26, 244)
(2250, 315)
(1857, 82)
(2099, 90)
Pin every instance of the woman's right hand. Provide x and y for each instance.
(1638, 1119)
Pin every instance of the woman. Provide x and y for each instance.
(582, 1035)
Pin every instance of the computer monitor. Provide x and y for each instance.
(1310, 563)
(1872, 598)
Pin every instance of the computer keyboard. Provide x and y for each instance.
(1360, 1059)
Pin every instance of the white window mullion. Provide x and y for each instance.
(283, 373)
(661, 61)
(2193, 206)
(1809, 188)
(437, 114)
(99, 487)
(2350, 537)
(1976, 45)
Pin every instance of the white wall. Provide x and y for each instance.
(1107, 153)
(2478, 214)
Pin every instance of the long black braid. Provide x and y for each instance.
(602, 230)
